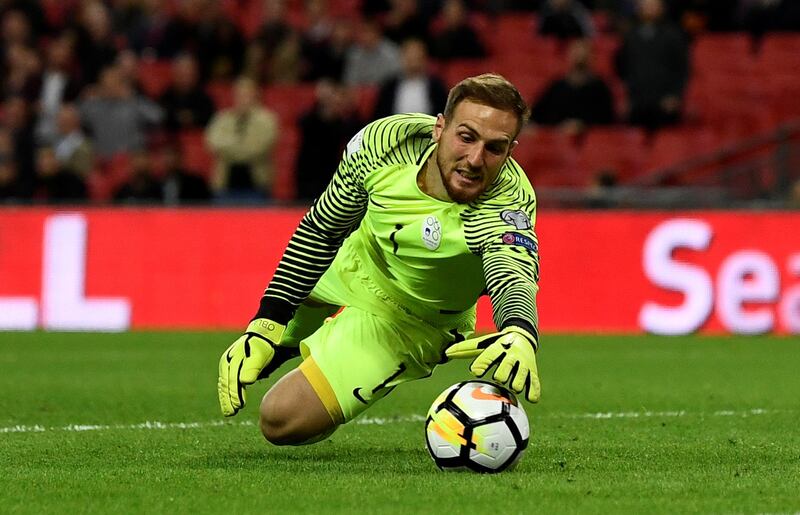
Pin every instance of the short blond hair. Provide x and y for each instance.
(489, 89)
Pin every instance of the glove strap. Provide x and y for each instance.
(523, 332)
(272, 331)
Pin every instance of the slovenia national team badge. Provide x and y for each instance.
(431, 232)
(517, 218)
(515, 238)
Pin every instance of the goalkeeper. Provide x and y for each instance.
(380, 280)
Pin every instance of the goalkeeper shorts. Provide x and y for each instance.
(371, 346)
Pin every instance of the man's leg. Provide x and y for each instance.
(300, 408)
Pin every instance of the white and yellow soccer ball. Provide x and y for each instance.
(476, 425)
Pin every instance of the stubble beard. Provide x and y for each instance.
(457, 196)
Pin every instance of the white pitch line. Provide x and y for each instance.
(373, 421)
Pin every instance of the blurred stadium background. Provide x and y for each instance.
(155, 157)
(214, 121)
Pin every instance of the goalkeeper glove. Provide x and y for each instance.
(242, 363)
(512, 350)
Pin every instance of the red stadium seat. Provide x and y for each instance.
(154, 76)
(289, 101)
(196, 156)
(512, 33)
(780, 52)
(714, 54)
(548, 157)
(285, 159)
(221, 92)
(618, 149)
(675, 145)
(454, 71)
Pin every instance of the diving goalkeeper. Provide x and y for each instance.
(380, 280)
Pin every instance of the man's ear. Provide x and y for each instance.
(512, 146)
(438, 127)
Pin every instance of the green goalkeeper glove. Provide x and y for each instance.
(512, 350)
(241, 364)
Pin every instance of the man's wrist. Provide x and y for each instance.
(275, 309)
(526, 327)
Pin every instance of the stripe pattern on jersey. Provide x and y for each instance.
(389, 141)
(511, 272)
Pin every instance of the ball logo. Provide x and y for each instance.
(432, 233)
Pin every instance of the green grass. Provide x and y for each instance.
(706, 425)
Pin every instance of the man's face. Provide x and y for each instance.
(473, 146)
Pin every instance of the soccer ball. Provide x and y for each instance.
(478, 426)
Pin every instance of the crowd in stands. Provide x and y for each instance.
(231, 101)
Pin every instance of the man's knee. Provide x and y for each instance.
(275, 421)
(292, 414)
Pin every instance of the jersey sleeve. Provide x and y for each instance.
(321, 232)
(503, 235)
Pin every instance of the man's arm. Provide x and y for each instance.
(510, 253)
(315, 242)
(310, 252)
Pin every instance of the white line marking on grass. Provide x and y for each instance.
(374, 421)
(77, 428)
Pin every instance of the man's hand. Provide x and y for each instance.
(244, 360)
(512, 350)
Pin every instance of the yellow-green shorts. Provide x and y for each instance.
(360, 354)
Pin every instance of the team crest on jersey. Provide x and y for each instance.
(432, 232)
(514, 238)
(517, 218)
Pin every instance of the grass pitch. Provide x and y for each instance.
(129, 423)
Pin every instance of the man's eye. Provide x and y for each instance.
(466, 137)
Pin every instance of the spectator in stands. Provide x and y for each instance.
(21, 73)
(36, 23)
(565, 19)
(71, 146)
(54, 183)
(578, 99)
(324, 132)
(181, 186)
(456, 39)
(117, 118)
(9, 188)
(326, 60)
(653, 62)
(60, 84)
(95, 43)
(761, 16)
(405, 21)
(17, 120)
(127, 63)
(15, 29)
(415, 89)
(794, 195)
(180, 33)
(144, 24)
(241, 139)
(186, 104)
(220, 44)
(373, 58)
(143, 186)
(274, 55)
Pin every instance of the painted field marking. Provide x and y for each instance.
(374, 421)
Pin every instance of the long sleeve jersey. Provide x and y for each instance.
(421, 251)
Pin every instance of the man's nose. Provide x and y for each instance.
(475, 156)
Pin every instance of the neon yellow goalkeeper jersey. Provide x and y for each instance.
(421, 251)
